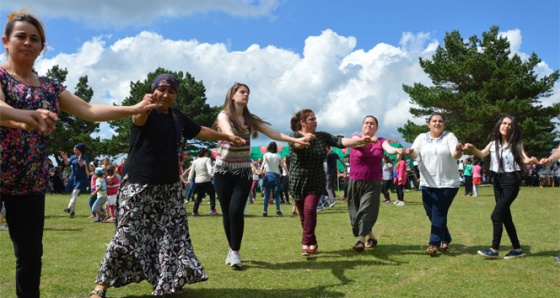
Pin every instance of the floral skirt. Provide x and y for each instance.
(151, 241)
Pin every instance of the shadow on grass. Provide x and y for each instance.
(319, 291)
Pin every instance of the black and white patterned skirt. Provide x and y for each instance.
(151, 241)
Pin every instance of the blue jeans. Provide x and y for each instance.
(506, 188)
(190, 191)
(272, 183)
(436, 203)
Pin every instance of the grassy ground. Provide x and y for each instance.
(273, 265)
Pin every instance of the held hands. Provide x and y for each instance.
(468, 146)
(305, 140)
(364, 141)
(146, 105)
(236, 141)
(545, 161)
(40, 119)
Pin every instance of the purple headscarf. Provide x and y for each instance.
(165, 80)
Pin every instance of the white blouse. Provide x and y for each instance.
(508, 163)
(438, 167)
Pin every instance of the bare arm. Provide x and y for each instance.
(212, 135)
(40, 119)
(72, 104)
(278, 136)
(478, 153)
(356, 141)
(552, 158)
(390, 149)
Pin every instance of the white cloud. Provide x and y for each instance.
(122, 13)
(340, 83)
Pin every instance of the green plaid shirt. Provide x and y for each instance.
(307, 174)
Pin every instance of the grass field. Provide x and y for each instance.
(273, 265)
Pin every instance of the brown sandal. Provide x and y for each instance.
(432, 250)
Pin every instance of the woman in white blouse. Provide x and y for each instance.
(437, 152)
(507, 158)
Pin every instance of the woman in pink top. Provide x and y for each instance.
(477, 177)
(364, 187)
(400, 179)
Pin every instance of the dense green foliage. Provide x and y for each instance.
(475, 82)
(71, 130)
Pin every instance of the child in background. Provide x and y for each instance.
(101, 192)
(90, 171)
(477, 177)
(113, 184)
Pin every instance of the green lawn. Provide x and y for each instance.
(273, 265)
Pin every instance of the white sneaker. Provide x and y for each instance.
(228, 258)
(3, 228)
(400, 203)
(396, 202)
(235, 260)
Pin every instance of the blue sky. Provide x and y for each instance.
(343, 59)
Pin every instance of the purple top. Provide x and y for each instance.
(366, 162)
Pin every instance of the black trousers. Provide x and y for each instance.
(201, 189)
(25, 216)
(233, 191)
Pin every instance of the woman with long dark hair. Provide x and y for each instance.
(507, 157)
(232, 171)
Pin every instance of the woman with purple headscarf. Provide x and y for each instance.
(152, 240)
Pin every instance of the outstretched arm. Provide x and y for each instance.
(72, 104)
(212, 135)
(478, 153)
(278, 136)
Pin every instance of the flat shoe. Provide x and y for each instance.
(314, 250)
(432, 250)
(371, 243)
(444, 247)
(359, 246)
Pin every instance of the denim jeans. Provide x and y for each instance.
(271, 184)
(436, 203)
(506, 188)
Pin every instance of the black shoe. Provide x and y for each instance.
(264, 214)
(67, 210)
(279, 213)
